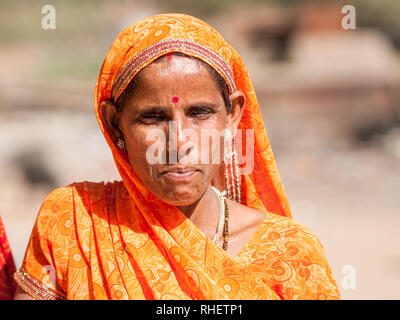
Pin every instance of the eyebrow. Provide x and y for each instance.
(155, 109)
(159, 109)
(203, 104)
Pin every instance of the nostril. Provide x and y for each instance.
(184, 152)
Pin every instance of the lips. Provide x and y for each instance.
(180, 173)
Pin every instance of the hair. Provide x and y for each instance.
(220, 81)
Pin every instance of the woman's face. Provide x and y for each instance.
(172, 96)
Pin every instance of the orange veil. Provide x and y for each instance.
(143, 42)
(118, 241)
(131, 51)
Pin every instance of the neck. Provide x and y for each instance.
(199, 212)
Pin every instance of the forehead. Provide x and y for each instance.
(189, 79)
(174, 72)
(178, 64)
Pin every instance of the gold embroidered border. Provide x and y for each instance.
(34, 287)
(166, 46)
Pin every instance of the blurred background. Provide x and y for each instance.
(329, 96)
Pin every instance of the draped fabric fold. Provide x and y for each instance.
(118, 241)
(7, 267)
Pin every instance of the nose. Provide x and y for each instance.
(177, 145)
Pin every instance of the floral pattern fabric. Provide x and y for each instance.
(118, 241)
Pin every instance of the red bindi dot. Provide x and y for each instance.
(175, 99)
(169, 57)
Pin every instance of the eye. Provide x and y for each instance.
(200, 112)
(152, 117)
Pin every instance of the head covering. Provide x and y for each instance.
(118, 241)
(148, 39)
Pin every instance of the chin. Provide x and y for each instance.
(181, 196)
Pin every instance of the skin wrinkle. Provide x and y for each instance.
(281, 259)
(150, 106)
(200, 89)
(220, 81)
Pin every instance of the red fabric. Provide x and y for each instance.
(7, 267)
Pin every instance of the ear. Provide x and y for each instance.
(110, 117)
(238, 101)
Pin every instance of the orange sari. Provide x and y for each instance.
(7, 267)
(118, 241)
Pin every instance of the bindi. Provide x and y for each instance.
(175, 99)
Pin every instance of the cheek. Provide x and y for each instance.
(136, 138)
(216, 143)
(137, 145)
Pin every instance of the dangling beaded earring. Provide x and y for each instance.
(231, 168)
(121, 144)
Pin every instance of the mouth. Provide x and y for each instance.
(179, 173)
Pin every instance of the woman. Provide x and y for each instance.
(7, 267)
(166, 231)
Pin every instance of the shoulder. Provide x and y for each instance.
(94, 190)
(58, 208)
(83, 190)
(273, 229)
(293, 232)
(286, 230)
(296, 259)
(243, 217)
(267, 222)
(282, 238)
